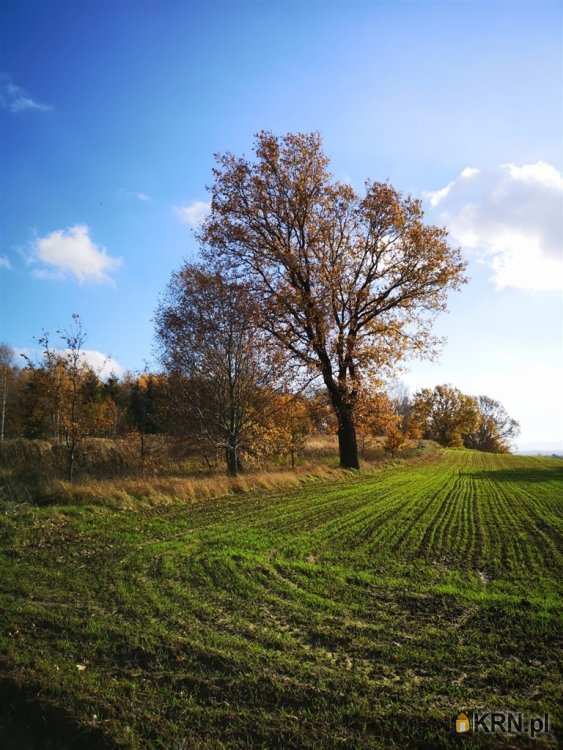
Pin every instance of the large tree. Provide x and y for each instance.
(347, 283)
(218, 360)
(445, 414)
(496, 428)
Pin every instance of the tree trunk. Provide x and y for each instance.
(347, 442)
(71, 456)
(4, 394)
(342, 403)
(233, 463)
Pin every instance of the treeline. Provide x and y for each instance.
(61, 398)
(454, 419)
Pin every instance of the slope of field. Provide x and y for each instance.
(363, 614)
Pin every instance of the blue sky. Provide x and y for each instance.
(110, 114)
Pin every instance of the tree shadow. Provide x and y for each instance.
(29, 723)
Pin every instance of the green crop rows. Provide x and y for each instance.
(363, 614)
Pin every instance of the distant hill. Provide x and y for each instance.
(553, 454)
(540, 449)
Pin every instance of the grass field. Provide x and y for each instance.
(359, 614)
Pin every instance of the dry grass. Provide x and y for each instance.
(136, 493)
(30, 472)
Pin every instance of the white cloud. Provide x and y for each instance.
(510, 217)
(193, 213)
(143, 197)
(539, 173)
(71, 252)
(5, 262)
(15, 99)
(102, 364)
(437, 196)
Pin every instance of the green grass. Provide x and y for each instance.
(358, 614)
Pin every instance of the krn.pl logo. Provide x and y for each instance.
(462, 723)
